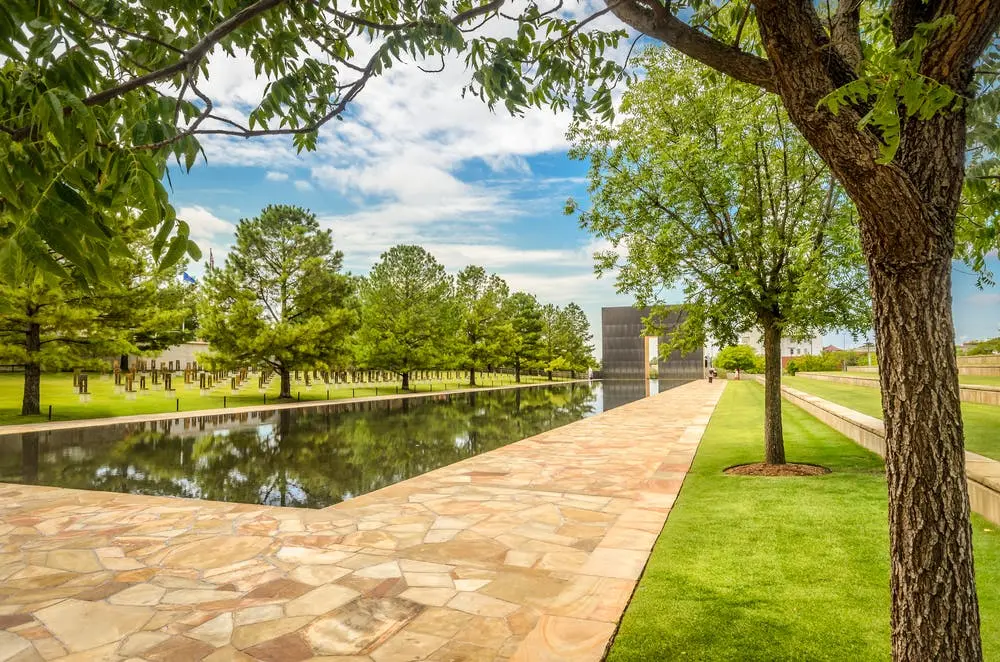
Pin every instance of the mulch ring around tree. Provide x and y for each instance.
(762, 469)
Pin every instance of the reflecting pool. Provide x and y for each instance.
(310, 457)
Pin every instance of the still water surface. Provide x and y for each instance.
(311, 457)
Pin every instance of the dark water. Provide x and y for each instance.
(311, 457)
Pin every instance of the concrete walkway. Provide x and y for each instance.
(529, 552)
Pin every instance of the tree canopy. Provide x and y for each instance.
(408, 316)
(49, 322)
(482, 326)
(97, 95)
(736, 357)
(281, 298)
(704, 185)
(523, 345)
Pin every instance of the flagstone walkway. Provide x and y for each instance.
(529, 552)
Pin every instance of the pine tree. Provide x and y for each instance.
(281, 298)
(480, 298)
(407, 312)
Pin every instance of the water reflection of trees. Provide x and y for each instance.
(306, 457)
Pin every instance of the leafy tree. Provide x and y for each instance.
(577, 350)
(709, 188)
(151, 304)
(991, 346)
(523, 347)
(480, 299)
(407, 312)
(888, 95)
(554, 340)
(886, 92)
(281, 298)
(50, 322)
(87, 130)
(736, 357)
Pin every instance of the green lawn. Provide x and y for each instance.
(978, 380)
(778, 568)
(982, 422)
(57, 390)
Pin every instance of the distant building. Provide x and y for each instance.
(789, 348)
(626, 351)
(831, 348)
(177, 357)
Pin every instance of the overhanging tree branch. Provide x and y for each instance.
(656, 21)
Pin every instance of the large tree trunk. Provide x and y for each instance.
(286, 383)
(774, 441)
(32, 399)
(517, 371)
(406, 381)
(123, 363)
(935, 611)
(908, 212)
(472, 376)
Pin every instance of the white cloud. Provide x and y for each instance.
(400, 165)
(204, 224)
(984, 298)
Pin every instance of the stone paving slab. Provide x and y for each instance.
(529, 552)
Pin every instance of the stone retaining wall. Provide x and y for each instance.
(982, 473)
(979, 371)
(975, 393)
(979, 366)
(982, 360)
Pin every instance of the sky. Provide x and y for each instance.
(414, 162)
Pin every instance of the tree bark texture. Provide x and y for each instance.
(908, 210)
(472, 376)
(123, 363)
(406, 381)
(774, 440)
(286, 383)
(935, 614)
(517, 371)
(32, 399)
(907, 227)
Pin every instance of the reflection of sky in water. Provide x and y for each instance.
(309, 457)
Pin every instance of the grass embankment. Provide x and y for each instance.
(971, 380)
(982, 422)
(752, 568)
(58, 391)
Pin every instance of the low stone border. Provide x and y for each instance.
(982, 473)
(979, 394)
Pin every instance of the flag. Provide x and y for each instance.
(188, 279)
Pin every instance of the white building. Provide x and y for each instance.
(789, 348)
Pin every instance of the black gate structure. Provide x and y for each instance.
(626, 349)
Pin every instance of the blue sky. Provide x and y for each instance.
(416, 163)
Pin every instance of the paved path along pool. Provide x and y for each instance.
(529, 552)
